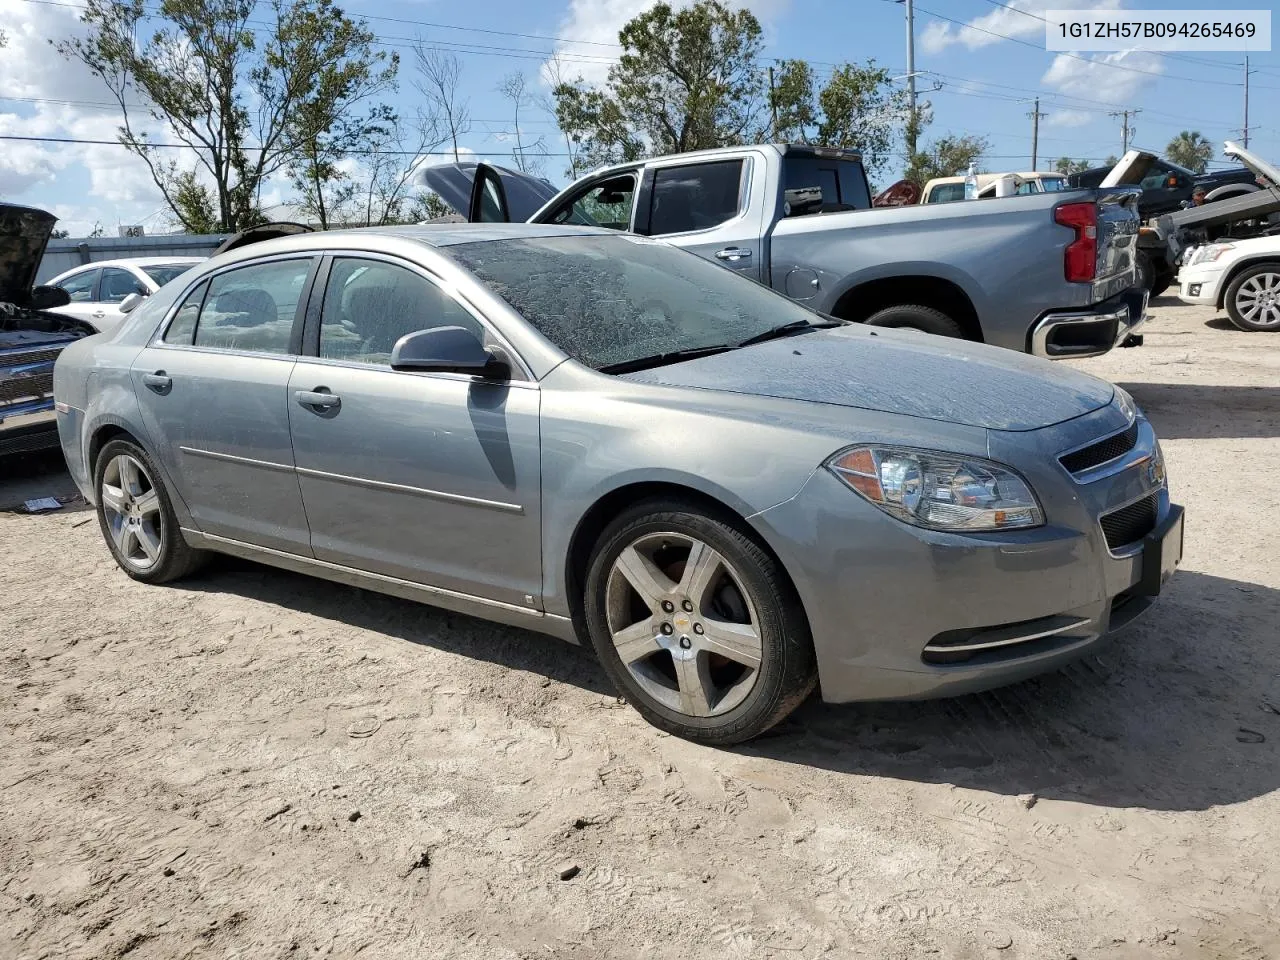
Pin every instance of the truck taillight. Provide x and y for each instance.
(1080, 262)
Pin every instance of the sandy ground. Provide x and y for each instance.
(258, 765)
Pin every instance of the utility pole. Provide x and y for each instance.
(1126, 130)
(912, 125)
(1245, 131)
(1035, 116)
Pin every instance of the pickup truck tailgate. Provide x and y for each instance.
(1118, 224)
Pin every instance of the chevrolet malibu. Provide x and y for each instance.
(730, 498)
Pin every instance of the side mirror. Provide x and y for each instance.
(447, 350)
(47, 298)
(130, 303)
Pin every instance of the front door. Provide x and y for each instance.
(703, 208)
(215, 402)
(431, 478)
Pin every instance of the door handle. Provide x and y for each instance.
(99, 314)
(158, 382)
(318, 399)
(733, 254)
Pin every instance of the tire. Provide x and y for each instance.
(1146, 272)
(136, 516)
(739, 600)
(1256, 286)
(1163, 280)
(913, 316)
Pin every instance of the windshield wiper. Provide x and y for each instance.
(662, 359)
(788, 329)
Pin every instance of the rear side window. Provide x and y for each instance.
(182, 330)
(252, 309)
(824, 185)
(697, 196)
(946, 193)
(80, 286)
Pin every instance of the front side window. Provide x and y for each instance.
(370, 304)
(947, 193)
(611, 299)
(80, 286)
(605, 204)
(1053, 184)
(182, 329)
(118, 284)
(252, 309)
(696, 196)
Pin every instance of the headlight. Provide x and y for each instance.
(1127, 404)
(940, 491)
(1213, 251)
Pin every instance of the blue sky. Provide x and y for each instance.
(984, 84)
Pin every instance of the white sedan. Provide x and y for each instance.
(1241, 275)
(98, 289)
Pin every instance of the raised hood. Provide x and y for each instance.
(896, 371)
(24, 233)
(521, 194)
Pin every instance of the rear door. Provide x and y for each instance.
(706, 207)
(214, 393)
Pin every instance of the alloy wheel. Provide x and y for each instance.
(131, 506)
(1258, 299)
(683, 625)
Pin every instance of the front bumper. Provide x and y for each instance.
(28, 427)
(1199, 286)
(902, 613)
(1092, 331)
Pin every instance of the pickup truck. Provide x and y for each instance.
(1047, 273)
(31, 337)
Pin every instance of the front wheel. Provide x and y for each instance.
(696, 624)
(1253, 298)
(136, 517)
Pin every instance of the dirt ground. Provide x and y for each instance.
(255, 764)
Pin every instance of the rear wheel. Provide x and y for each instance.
(136, 517)
(914, 316)
(1253, 298)
(1163, 280)
(696, 625)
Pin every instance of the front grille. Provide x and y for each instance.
(1130, 524)
(1104, 450)
(26, 388)
(30, 442)
(28, 357)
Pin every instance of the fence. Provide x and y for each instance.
(65, 254)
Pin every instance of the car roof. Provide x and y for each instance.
(134, 262)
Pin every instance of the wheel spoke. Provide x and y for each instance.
(647, 580)
(700, 571)
(1250, 311)
(113, 499)
(739, 642)
(129, 476)
(694, 679)
(119, 534)
(148, 502)
(128, 541)
(637, 641)
(149, 540)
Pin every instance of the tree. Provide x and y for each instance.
(856, 107)
(1066, 166)
(554, 78)
(56, 234)
(1111, 160)
(514, 87)
(686, 80)
(1190, 149)
(437, 81)
(242, 101)
(948, 156)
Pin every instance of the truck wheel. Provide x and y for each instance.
(1146, 272)
(913, 316)
(1162, 282)
(1253, 299)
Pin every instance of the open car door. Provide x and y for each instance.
(486, 193)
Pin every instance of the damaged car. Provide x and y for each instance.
(31, 334)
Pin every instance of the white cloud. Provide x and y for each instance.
(1018, 19)
(1111, 77)
(598, 22)
(1068, 118)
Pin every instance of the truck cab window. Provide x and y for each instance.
(696, 196)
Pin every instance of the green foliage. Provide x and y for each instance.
(948, 156)
(1190, 149)
(1067, 166)
(246, 103)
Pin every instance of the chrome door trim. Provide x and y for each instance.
(509, 613)
(232, 458)
(415, 491)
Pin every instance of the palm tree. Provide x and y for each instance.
(1190, 149)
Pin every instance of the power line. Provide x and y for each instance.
(191, 146)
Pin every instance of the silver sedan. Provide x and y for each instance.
(601, 437)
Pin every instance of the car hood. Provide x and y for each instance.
(525, 194)
(24, 233)
(896, 371)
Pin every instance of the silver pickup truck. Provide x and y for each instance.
(1048, 273)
